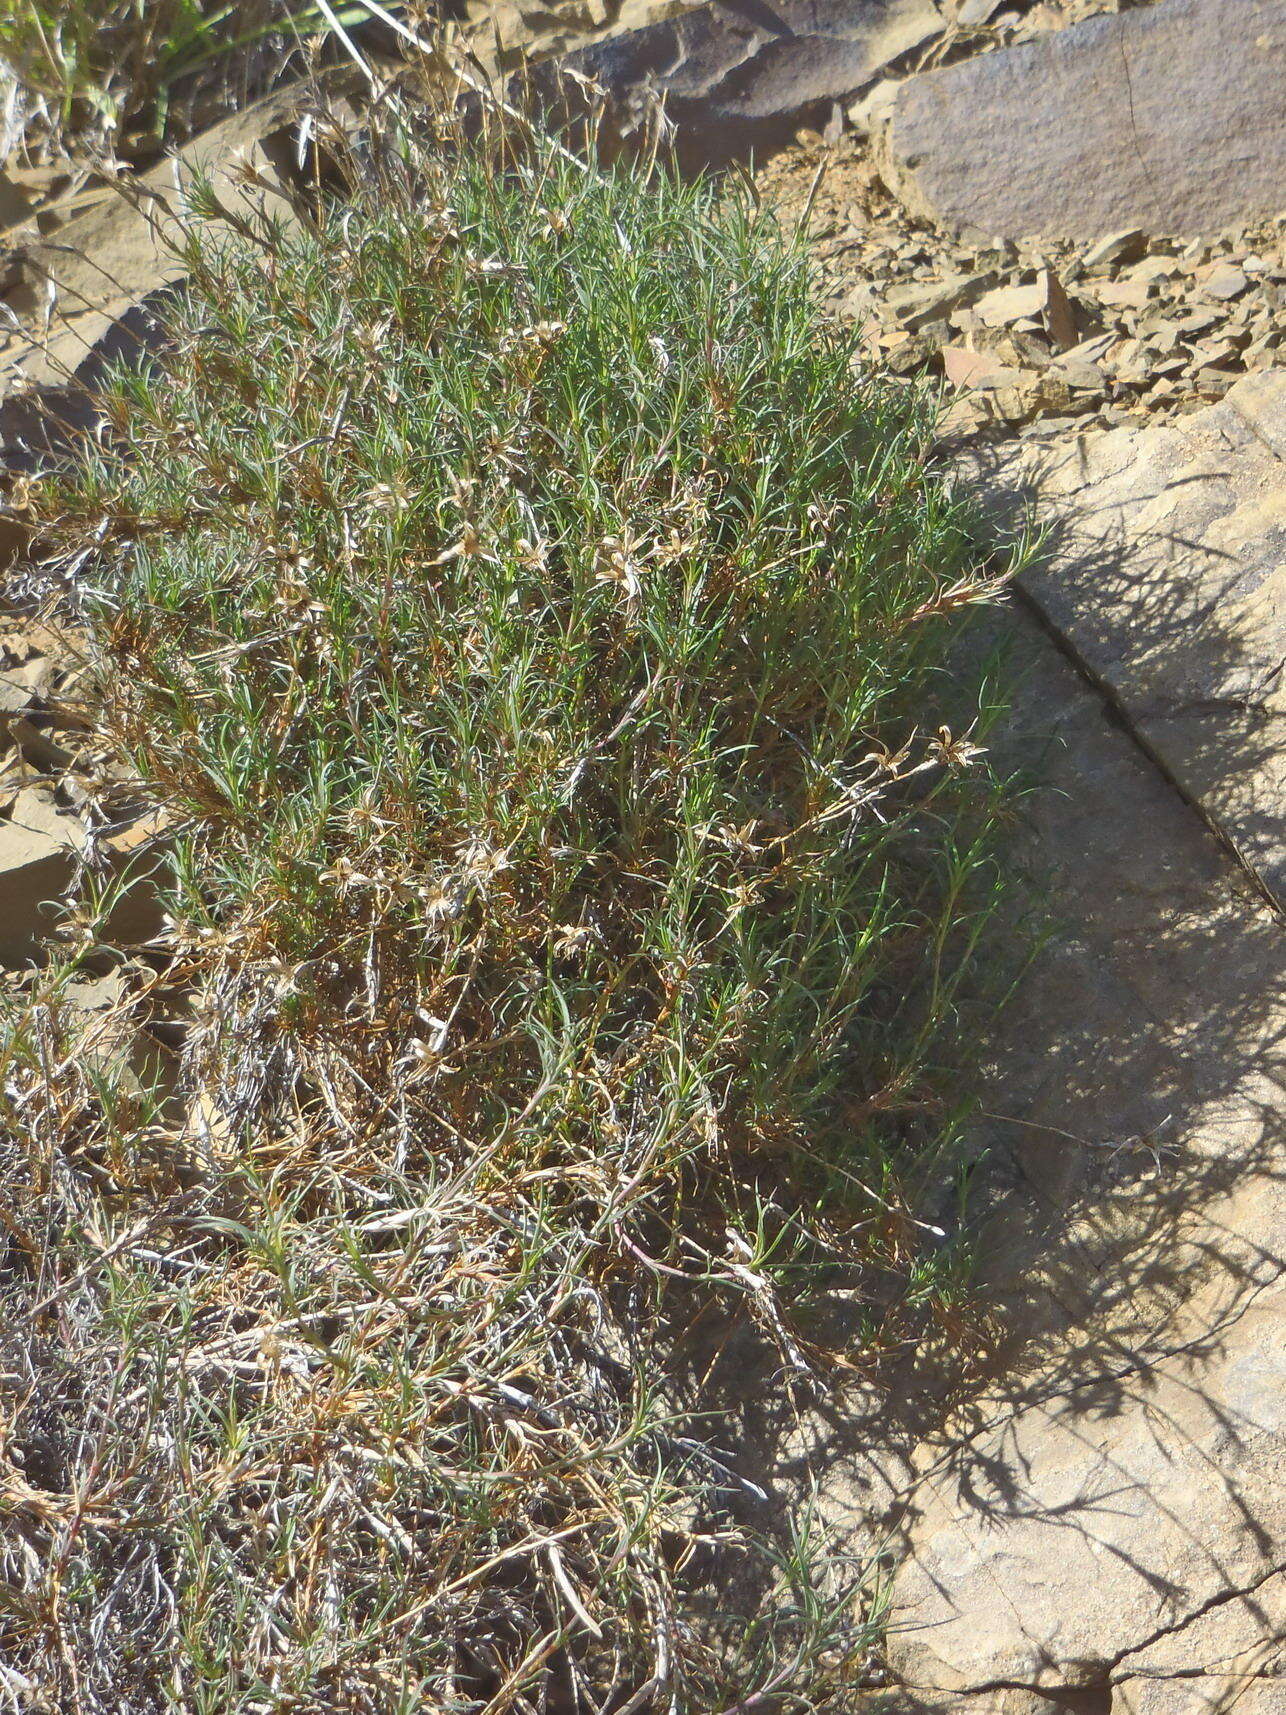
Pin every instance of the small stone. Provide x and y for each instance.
(964, 416)
(912, 352)
(1224, 283)
(1136, 366)
(1116, 250)
(1089, 350)
(1265, 350)
(144, 831)
(1029, 348)
(1043, 302)
(1008, 304)
(1152, 268)
(1242, 314)
(1059, 316)
(97, 994)
(1052, 394)
(929, 300)
(1158, 332)
(1012, 404)
(1000, 378)
(965, 368)
(34, 867)
(1215, 352)
(36, 745)
(1123, 294)
(15, 697)
(872, 112)
(38, 811)
(937, 334)
(1214, 383)
(860, 302)
(1080, 374)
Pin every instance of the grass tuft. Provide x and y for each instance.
(533, 619)
(130, 75)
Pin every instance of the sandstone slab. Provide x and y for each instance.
(88, 298)
(1125, 1475)
(499, 32)
(36, 868)
(734, 74)
(1202, 1694)
(1231, 1658)
(1076, 1538)
(1170, 118)
(1077, 1529)
(36, 811)
(1165, 571)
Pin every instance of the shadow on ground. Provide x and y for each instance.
(1162, 572)
(1131, 1208)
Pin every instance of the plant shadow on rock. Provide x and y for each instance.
(1161, 556)
(1130, 1232)
(1119, 1464)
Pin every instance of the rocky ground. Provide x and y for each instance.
(1027, 334)
(1072, 219)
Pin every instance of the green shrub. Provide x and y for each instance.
(534, 618)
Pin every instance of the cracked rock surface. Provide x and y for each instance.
(1231, 1658)
(733, 72)
(1111, 1514)
(1076, 1546)
(1085, 1519)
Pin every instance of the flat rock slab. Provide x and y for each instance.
(1165, 571)
(1127, 1469)
(1112, 1520)
(1232, 1658)
(36, 868)
(86, 300)
(1171, 118)
(733, 73)
(1077, 1545)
